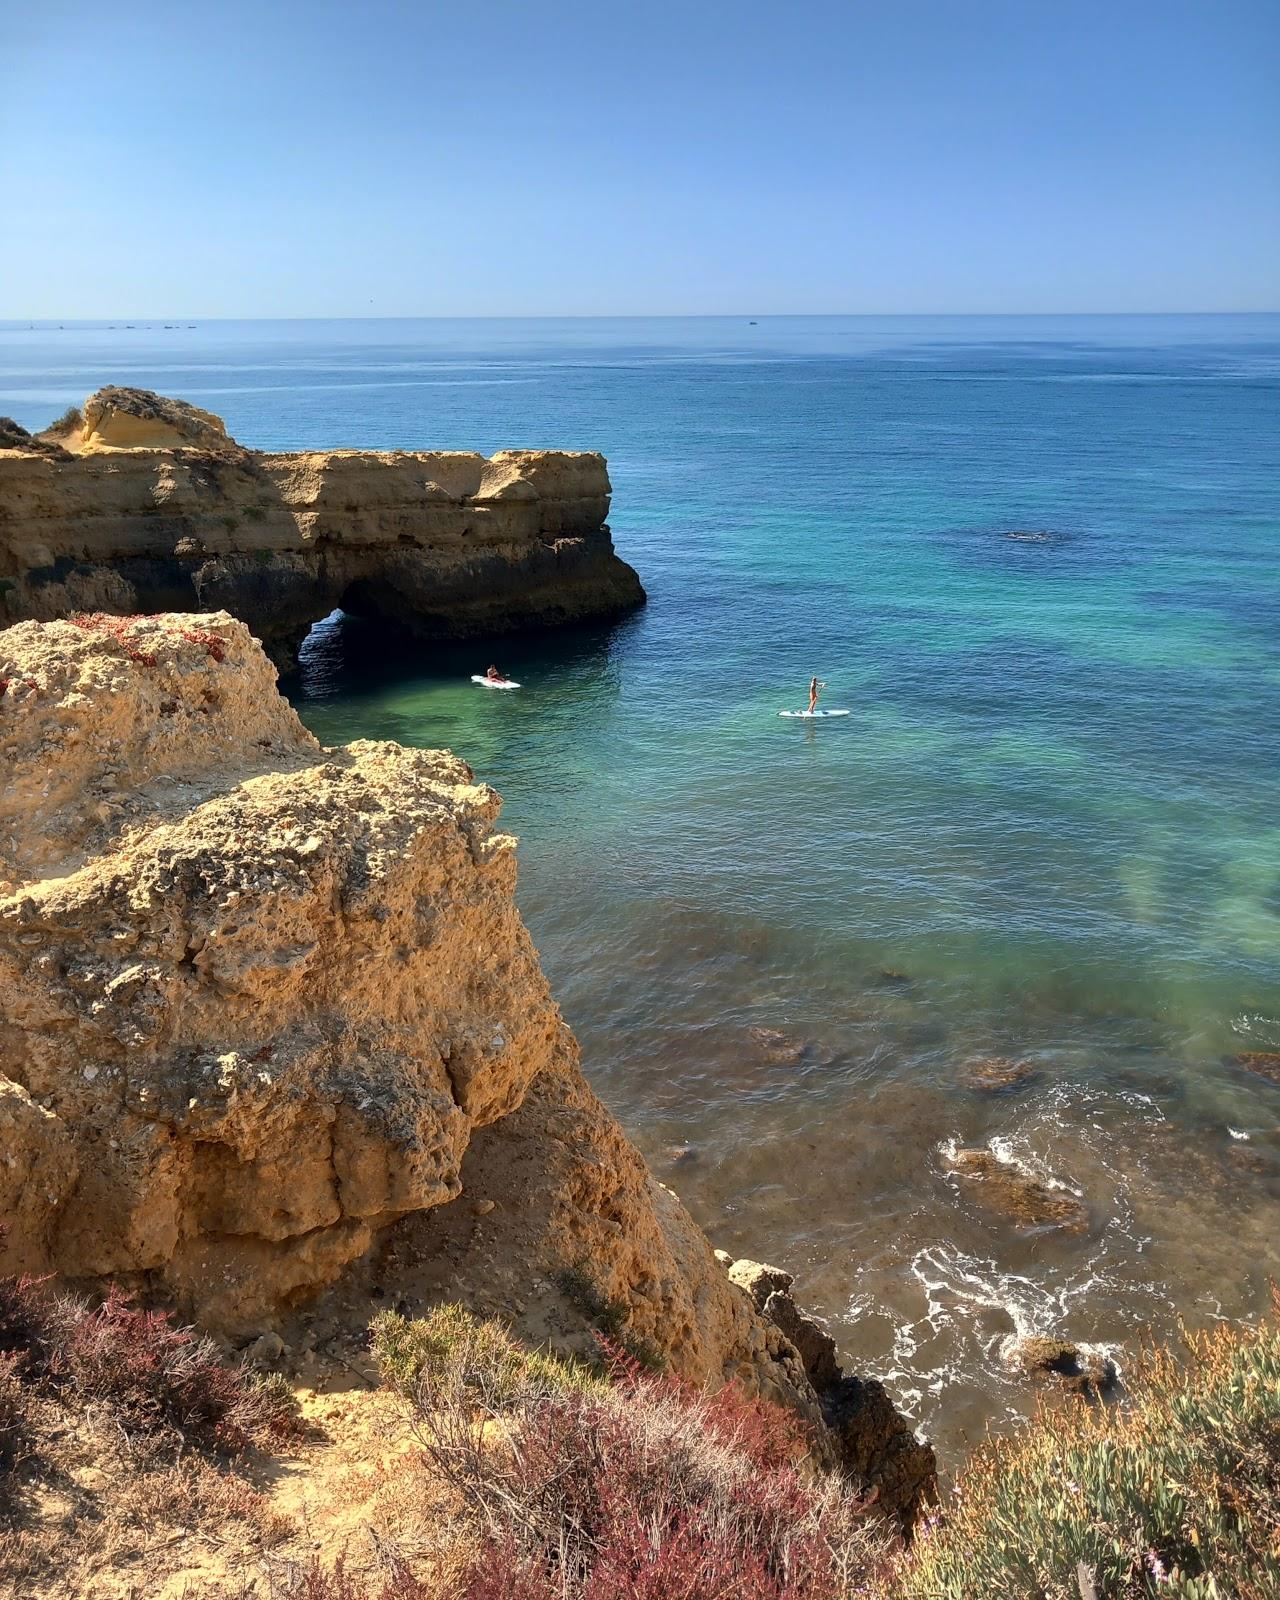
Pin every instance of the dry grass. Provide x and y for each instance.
(121, 1437)
(485, 1472)
(570, 1484)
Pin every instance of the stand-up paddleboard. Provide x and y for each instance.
(811, 715)
(494, 683)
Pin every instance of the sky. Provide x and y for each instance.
(491, 157)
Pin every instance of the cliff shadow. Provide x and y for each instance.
(345, 654)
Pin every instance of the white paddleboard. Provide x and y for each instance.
(494, 683)
(812, 714)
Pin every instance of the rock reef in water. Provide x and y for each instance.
(273, 1030)
(1084, 1369)
(151, 506)
(1009, 1190)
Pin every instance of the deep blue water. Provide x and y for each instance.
(1039, 560)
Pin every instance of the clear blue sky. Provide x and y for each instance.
(493, 157)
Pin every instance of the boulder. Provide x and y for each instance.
(1012, 1192)
(139, 419)
(1083, 1368)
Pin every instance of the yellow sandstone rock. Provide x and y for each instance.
(269, 1010)
(154, 508)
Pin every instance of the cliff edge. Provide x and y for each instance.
(149, 505)
(274, 1036)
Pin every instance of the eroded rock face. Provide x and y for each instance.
(159, 510)
(273, 1035)
(131, 419)
(256, 995)
(874, 1442)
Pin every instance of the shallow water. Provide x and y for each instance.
(1038, 560)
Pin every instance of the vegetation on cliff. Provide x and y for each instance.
(119, 1429)
(1174, 1492)
(518, 1475)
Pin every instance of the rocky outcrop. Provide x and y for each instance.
(131, 419)
(1083, 1369)
(154, 508)
(876, 1444)
(272, 1030)
(1008, 1189)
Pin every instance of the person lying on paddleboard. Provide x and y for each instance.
(814, 687)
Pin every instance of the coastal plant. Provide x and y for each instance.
(1175, 1493)
(136, 1426)
(158, 1376)
(71, 419)
(154, 1376)
(640, 1487)
(117, 628)
(480, 1355)
(121, 628)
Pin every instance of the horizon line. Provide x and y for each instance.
(622, 316)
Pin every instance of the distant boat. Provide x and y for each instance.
(753, 324)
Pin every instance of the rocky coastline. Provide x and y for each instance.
(138, 503)
(277, 1047)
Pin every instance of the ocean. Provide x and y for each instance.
(1038, 559)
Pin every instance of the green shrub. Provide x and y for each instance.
(482, 1356)
(1175, 1493)
(71, 419)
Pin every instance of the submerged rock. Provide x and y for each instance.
(1262, 1063)
(996, 1074)
(1085, 1369)
(777, 1045)
(1018, 1195)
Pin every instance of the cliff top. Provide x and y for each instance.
(130, 419)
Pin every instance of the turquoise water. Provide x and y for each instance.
(1039, 561)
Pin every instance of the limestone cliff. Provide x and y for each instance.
(272, 1029)
(151, 506)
